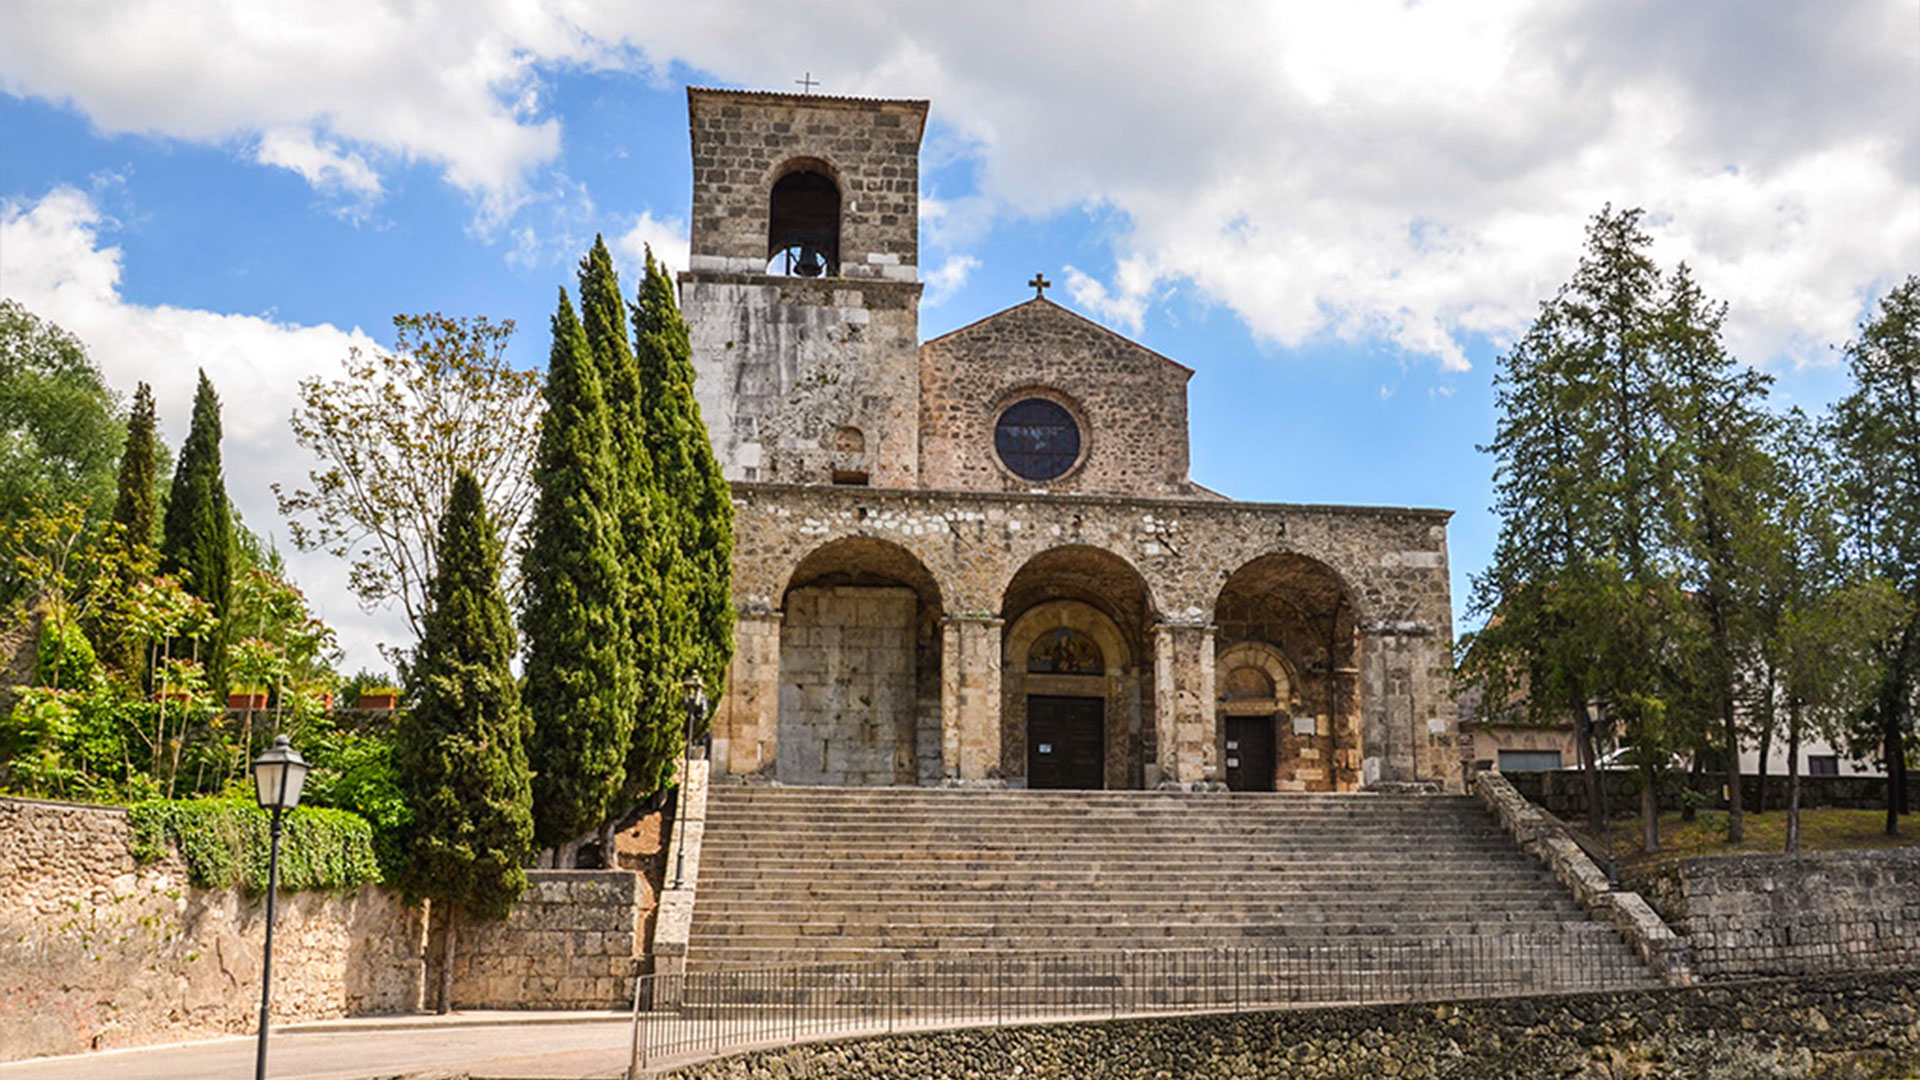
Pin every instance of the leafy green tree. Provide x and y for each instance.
(645, 532)
(135, 512)
(1876, 431)
(58, 420)
(1584, 602)
(393, 433)
(197, 538)
(579, 671)
(701, 569)
(459, 747)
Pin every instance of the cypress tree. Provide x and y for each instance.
(697, 496)
(134, 513)
(579, 677)
(197, 539)
(651, 613)
(459, 747)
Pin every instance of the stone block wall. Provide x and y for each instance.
(1827, 1028)
(848, 686)
(570, 943)
(1794, 914)
(98, 952)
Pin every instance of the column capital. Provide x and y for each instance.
(1170, 625)
(977, 618)
(759, 611)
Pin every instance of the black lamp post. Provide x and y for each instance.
(277, 777)
(1599, 728)
(694, 696)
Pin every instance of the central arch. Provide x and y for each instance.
(1076, 602)
(859, 700)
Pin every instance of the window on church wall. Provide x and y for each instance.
(803, 225)
(1065, 651)
(1037, 439)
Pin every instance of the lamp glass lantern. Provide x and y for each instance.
(278, 775)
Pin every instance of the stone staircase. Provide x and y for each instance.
(852, 875)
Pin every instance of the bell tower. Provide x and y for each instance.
(802, 292)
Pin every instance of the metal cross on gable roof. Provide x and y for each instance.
(1040, 284)
(808, 82)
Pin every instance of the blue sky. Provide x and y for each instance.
(1336, 217)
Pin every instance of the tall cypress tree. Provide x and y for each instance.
(197, 539)
(134, 512)
(459, 744)
(651, 612)
(701, 569)
(579, 672)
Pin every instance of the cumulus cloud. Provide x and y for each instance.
(1415, 174)
(53, 259)
(667, 237)
(950, 277)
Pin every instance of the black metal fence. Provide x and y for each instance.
(701, 1013)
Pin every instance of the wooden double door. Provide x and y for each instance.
(1066, 742)
(1249, 753)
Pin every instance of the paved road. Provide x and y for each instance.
(573, 1050)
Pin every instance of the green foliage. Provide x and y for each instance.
(197, 537)
(58, 422)
(356, 771)
(65, 657)
(460, 752)
(701, 571)
(392, 435)
(135, 505)
(227, 842)
(579, 673)
(646, 535)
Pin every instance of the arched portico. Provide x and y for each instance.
(1288, 619)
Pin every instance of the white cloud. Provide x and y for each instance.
(949, 278)
(1416, 174)
(53, 260)
(666, 237)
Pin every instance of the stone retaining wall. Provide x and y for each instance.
(98, 952)
(1829, 1028)
(1564, 791)
(570, 943)
(1793, 914)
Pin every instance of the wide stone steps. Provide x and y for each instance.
(855, 876)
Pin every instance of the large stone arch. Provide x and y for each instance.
(1096, 592)
(1298, 612)
(859, 667)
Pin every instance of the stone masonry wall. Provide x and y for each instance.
(848, 691)
(570, 943)
(1857, 1028)
(1130, 404)
(98, 952)
(1794, 914)
(1391, 563)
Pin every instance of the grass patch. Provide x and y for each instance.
(1823, 829)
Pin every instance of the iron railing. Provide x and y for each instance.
(701, 1013)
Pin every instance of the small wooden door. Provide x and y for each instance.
(1249, 756)
(1066, 742)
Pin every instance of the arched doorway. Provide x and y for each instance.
(1286, 648)
(1074, 685)
(859, 697)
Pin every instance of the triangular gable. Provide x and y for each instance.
(1043, 308)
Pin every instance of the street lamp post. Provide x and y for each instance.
(694, 696)
(1600, 727)
(277, 777)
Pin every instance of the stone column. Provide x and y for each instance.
(746, 721)
(1407, 723)
(1183, 721)
(970, 696)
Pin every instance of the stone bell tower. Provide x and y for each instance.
(802, 293)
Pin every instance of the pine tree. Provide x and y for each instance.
(579, 674)
(134, 509)
(644, 532)
(197, 539)
(689, 474)
(459, 745)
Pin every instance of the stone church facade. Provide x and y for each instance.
(980, 559)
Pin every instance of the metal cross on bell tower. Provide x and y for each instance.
(1040, 284)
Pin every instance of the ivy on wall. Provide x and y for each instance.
(225, 842)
